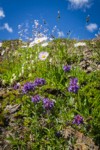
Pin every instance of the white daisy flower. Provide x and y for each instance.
(79, 44)
(40, 40)
(43, 55)
(44, 44)
(23, 46)
(31, 44)
(37, 41)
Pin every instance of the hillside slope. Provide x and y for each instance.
(50, 95)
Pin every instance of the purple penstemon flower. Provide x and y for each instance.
(36, 98)
(73, 87)
(39, 81)
(28, 87)
(48, 104)
(78, 120)
(66, 68)
(73, 81)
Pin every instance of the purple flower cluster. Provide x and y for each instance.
(28, 87)
(48, 104)
(39, 81)
(73, 85)
(67, 68)
(35, 98)
(78, 120)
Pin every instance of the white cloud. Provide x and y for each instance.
(92, 27)
(2, 15)
(6, 26)
(77, 4)
(60, 34)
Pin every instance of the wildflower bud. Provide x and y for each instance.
(32, 61)
(30, 56)
(13, 75)
(20, 75)
(30, 75)
(3, 81)
(50, 60)
(29, 68)
(22, 71)
(11, 81)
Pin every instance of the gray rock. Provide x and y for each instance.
(12, 109)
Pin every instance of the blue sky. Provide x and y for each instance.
(73, 15)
